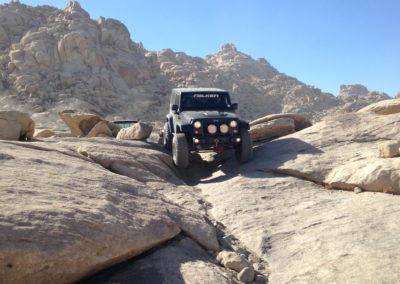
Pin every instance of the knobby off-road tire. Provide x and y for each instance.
(167, 137)
(180, 150)
(244, 152)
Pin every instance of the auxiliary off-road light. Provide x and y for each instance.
(212, 129)
(238, 139)
(233, 123)
(196, 141)
(224, 128)
(197, 124)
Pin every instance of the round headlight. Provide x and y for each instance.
(197, 124)
(233, 123)
(224, 128)
(212, 129)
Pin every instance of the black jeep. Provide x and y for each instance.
(204, 119)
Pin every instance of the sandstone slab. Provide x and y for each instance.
(383, 107)
(282, 207)
(272, 129)
(68, 216)
(300, 121)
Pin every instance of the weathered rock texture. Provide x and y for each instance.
(138, 131)
(89, 125)
(355, 97)
(15, 125)
(283, 205)
(389, 149)
(257, 86)
(383, 107)
(180, 262)
(277, 125)
(69, 215)
(52, 60)
(46, 133)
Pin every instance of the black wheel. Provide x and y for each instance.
(167, 137)
(180, 151)
(244, 152)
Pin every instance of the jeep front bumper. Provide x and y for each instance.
(211, 142)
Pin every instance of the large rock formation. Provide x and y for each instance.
(54, 59)
(257, 86)
(69, 215)
(61, 59)
(355, 97)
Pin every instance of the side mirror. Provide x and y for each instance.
(174, 108)
(235, 106)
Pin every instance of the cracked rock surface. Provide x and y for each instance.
(282, 205)
(65, 215)
(71, 207)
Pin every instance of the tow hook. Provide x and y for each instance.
(218, 148)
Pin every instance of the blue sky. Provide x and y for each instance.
(322, 43)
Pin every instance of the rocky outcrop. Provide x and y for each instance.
(88, 125)
(55, 58)
(300, 122)
(272, 129)
(71, 228)
(355, 97)
(384, 107)
(61, 59)
(138, 131)
(346, 92)
(15, 125)
(277, 125)
(324, 163)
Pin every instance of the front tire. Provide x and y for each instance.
(244, 152)
(180, 151)
(167, 137)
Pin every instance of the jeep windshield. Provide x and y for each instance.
(205, 101)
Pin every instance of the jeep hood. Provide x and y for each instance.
(187, 116)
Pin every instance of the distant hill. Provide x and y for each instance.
(52, 60)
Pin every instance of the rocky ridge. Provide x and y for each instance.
(355, 97)
(52, 60)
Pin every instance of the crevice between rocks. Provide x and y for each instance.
(103, 275)
(225, 240)
(329, 186)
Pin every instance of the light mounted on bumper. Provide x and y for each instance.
(224, 128)
(233, 124)
(197, 124)
(212, 129)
